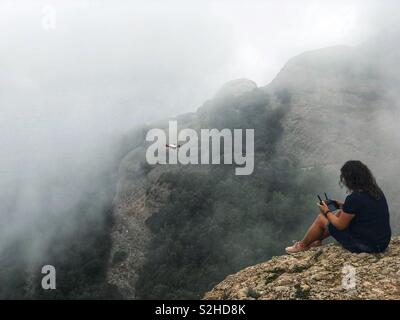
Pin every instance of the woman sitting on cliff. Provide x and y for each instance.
(362, 223)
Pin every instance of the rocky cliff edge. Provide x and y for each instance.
(327, 272)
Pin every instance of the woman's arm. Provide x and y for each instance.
(341, 221)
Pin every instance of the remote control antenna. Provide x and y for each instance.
(320, 200)
(326, 197)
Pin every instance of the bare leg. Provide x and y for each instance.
(326, 233)
(317, 231)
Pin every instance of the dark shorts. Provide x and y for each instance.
(347, 241)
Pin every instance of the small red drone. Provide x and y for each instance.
(172, 146)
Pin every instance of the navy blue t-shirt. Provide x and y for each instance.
(371, 224)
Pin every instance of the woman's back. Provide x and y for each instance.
(371, 224)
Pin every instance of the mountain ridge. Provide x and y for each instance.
(315, 115)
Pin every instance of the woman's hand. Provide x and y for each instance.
(323, 207)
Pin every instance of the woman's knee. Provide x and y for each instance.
(322, 220)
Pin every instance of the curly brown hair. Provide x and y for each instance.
(356, 176)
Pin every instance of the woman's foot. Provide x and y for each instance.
(299, 246)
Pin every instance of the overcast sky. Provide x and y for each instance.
(146, 59)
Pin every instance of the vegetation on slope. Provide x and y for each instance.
(216, 223)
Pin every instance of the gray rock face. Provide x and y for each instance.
(138, 197)
(341, 109)
(328, 272)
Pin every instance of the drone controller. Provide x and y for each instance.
(332, 205)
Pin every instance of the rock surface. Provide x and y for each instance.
(137, 199)
(327, 272)
(336, 100)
